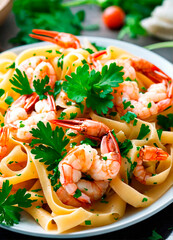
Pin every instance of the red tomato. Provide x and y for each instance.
(113, 17)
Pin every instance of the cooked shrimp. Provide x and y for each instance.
(3, 141)
(65, 40)
(23, 115)
(155, 100)
(147, 153)
(94, 62)
(84, 159)
(37, 68)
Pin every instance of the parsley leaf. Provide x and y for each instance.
(129, 116)
(20, 81)
(60, 61)
(165, 121)
(125, 147)
(159, 132)
(57, 88)
(90, 142)
(144, 130)
(155, 236)
(99, 48)
(10, 205)
(50, 15)
(2, 91)
(9, 100)
(48, 151)
(40, 88)
(96, 87)
(11, 66)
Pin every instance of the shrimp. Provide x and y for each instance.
(84, 160)
(64, 40)
(3, 141)
(152, 102)
(38, 67)
(147, 153)
(26, 112)
(94, 62)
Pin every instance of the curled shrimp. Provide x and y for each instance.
(65, 40)
(4, 137)
(152, 102)
(38, 67)
(26, 112)
(84, 160)
(147, 153)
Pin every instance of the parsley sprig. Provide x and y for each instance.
(50, 148)
(21, 83)
(11, 205)
(94, 86)
(22, 86)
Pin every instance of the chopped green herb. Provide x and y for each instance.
(129, 116)
(135, 122)
(144, 199)
(155, 236)
(126, 104)
(11, 66)
(104, 158)
(73, 115)
(60, 62)
(73, 144)
(63, 114)
(9, 100)
(165, 121)
(87, 222)
(144, 130)
(77, 194)
(36, 190)
(49, 51)
(159, 132)
(2, 91)
(84, 61)
(72, 134)
(99, 48)
(89, 50)
(90, 142)
(149, 105)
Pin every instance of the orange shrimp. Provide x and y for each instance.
(38, 67)
(4, 141)
(84, 159)
(147, 153)
(26, 112)
(65, 40)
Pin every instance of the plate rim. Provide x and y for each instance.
(142, 215)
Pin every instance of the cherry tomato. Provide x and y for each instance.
(113, 17)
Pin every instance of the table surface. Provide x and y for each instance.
(161, 222)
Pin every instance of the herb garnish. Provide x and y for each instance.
(47, 150)
(96, 87)
(129, 116)
(165, 121)
(10, 205)
(144, 130)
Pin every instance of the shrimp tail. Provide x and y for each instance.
(65, 40)
(91, 129)
(150, 70)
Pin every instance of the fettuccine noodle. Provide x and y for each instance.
(20, 167)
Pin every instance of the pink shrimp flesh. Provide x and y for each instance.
(84, 159)
(147, 153)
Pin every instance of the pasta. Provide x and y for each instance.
(20, 166)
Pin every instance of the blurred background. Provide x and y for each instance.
(142, 22)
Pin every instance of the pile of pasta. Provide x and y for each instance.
(32, 174)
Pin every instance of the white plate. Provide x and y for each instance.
(30, 227)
